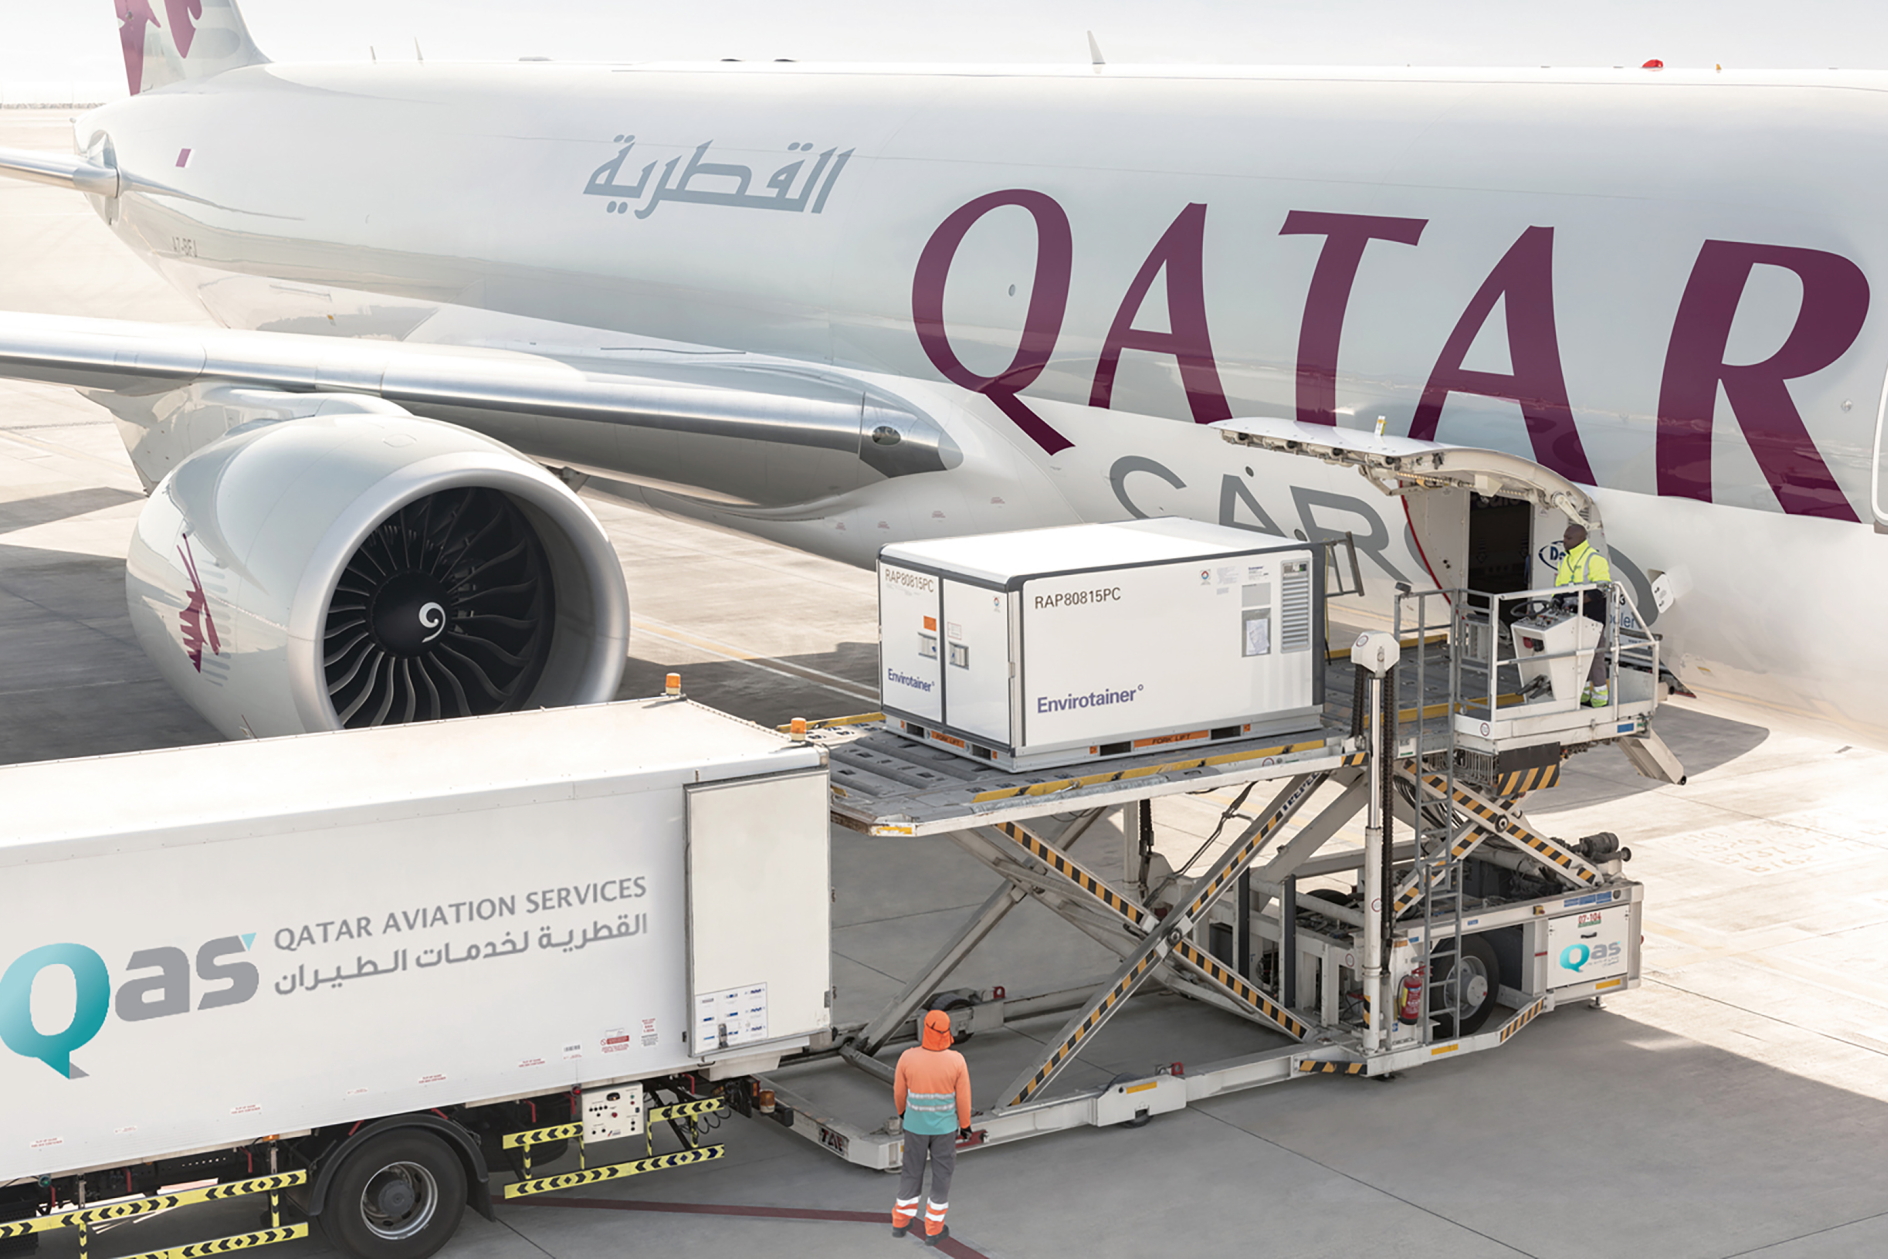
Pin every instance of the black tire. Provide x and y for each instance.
(1481, 977)
(399, 1196)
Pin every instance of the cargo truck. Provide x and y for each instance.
(352, 974)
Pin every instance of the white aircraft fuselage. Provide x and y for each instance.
(1658, 285)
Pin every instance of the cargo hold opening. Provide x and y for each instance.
(1485, 520)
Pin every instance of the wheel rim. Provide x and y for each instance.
(445, 610)
(1466, 988)
(399, 1200)
(1475, 986)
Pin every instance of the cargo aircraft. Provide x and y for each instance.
(838, 306)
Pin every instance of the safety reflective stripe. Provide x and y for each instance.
(615, 1171)
(1567, 574)
(85, 1216)
(934, 1211)
(932, 1103)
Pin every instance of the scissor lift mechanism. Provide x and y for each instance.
(1024, 827)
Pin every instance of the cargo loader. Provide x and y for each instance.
(1452, 926)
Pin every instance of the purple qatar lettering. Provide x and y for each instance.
(1345, 238)
(1834, 307)
(1042, 324)
(1835, 303)
(1525, 279)
(1180, 253)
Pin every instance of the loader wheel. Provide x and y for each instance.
(1480, 979)
(399, 1196)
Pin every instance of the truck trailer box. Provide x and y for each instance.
(205, 944)
(1047, 646)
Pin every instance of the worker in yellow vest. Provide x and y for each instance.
(931, 1091)
(1581, 564)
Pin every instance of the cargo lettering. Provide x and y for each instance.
(1094, 699)
(1079, 598)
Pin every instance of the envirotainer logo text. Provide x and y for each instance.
(145, 996)
(1091, 699)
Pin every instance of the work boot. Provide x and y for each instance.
(932, 1239)
(902, 1230)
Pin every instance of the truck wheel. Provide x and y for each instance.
(1480, 980)
(399, 1196)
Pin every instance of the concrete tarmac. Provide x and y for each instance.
(1736, 1104)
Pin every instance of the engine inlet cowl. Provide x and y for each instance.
(368, 569)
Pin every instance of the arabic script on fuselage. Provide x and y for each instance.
(792, 188)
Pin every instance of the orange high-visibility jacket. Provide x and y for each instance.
(931, 1076)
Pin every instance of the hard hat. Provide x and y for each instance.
(937, 1030)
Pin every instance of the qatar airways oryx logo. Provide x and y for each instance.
(135, 17)
(199, 626)
(1517, 294)
(164, 990)
(792, 189)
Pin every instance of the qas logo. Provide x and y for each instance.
(140, 997)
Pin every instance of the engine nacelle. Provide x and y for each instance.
(369, 568)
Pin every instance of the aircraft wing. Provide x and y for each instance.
(767, 434)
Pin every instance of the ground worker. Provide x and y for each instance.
(1580, 564)
(931, 1092)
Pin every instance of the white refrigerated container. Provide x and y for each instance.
(208, 944)
(1049, 646)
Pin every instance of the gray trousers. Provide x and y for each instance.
(942, 1150)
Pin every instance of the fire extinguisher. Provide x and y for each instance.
(1409, 1002)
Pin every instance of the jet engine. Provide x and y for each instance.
(366, 568)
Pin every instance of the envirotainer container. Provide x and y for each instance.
(1050, 646)
(204, 945)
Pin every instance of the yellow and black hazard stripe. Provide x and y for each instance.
(223, 1245)
(1233, 984)
(1521, 1020)
(1412, 886)
(1521, 781)
(1237, 857)
(86, 1216)
(1066, 866)
(685, 1110)
(1311, 1066)
(1148, 771)
(1097, 1014)
(540, 1136)
(616, 1171)
(1503, 824)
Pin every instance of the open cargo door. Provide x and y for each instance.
(1483, 519)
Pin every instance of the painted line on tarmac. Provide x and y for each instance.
(768, 664)
(70, 452)
(950, 1245)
